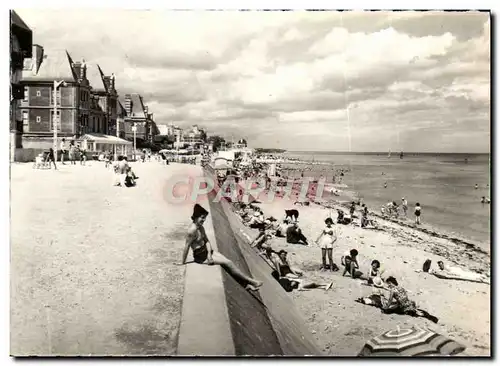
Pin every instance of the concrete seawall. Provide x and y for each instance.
(240, 323)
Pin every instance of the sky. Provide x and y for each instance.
(297, 80)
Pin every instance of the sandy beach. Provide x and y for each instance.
(341, 326)
(82, 250)
(92, 265)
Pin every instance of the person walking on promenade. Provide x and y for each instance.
(418, 212)
(83, 156)
(63, 150)
(72, 152)
(203, 253)
(51, 158)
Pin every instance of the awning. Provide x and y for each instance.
(104, 139)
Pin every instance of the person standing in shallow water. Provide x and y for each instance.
(418, 212)
(404, 204)
(203, 253)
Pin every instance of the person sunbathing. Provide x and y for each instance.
(398, 302)
(257, 219)
(262, 239)
(290, 284)
(271, 257)
(281, 230)
(284, 268)
(340, 216)
(351, 266)
(203, 253)
(294, 235)
(455, 273)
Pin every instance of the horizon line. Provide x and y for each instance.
(372, 152)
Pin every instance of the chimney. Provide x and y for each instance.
(83, 72)
(128, 104)
(37, 57)
(113, 81)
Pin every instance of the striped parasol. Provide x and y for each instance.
(411, 342)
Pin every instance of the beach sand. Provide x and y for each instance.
(92, 265)
(342, 326)
(92, 269)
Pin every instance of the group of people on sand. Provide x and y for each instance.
(123, 175)
(393, 209)
(75, 152)
(394, 300)
(290, 278)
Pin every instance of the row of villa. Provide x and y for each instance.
(86, 98)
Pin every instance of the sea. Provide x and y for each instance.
(443, 184)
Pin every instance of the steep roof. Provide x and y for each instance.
(137, 106)
(120, 110)
(23, 33)
(55, 65)
(95, 77)
(16, 21)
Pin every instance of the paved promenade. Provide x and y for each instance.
(91, 264)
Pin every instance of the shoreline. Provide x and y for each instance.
(348, 195)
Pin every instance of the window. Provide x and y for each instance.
(25, 94)
(26, 121)
(38, 93)
(38, 119)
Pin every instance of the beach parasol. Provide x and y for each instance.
(411, 342)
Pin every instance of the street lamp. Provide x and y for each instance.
(55, 120)
(134, 130)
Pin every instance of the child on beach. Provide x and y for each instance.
(364, 217)
(374, 272)
(203, 253)
(418, 212)
(328, 237)
(51, 158)
(351, 265)
(352, 209)
(340, 216)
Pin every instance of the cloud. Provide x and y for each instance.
(305, 80)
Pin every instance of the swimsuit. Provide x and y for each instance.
(200, 254)
(284, 268)
(327, 239)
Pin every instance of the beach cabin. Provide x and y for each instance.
(95, 143)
